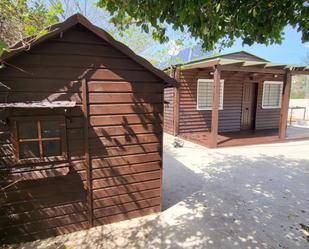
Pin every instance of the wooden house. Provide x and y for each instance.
(80, 133)
(230, 99)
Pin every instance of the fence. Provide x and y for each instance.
(299, 110)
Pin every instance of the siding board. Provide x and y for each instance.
(169, 110)
(125, 138)
(192, 120)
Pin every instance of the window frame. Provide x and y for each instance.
(221, 97)
(40, 139)
(268, 82)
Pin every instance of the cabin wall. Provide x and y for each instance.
(49, 197)
(193, 120)
(266, 118)
(169, 110)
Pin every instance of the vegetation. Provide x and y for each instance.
(298, 87)
(133, 37)
(22, 18)
(140, 24)
(213, 21)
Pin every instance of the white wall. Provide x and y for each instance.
(298, 114)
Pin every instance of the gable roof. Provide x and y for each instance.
(243, 59)
(58, 28)
(243, 55)
(239, 55)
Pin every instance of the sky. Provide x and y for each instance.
(291, 51)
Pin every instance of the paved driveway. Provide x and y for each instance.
(238, 197)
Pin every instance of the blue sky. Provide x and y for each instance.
(291, 51)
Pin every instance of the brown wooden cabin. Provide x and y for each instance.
(231, 99)
(80, 133)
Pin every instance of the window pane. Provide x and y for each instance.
(205, 95)
(52, 148)
(266, 95)
(27, 129)
(205, 89)
(272, 95)
(50, 128)
(29, 150)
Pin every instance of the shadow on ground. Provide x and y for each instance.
(234, 201)
(179, 181)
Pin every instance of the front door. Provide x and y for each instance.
(249, 100)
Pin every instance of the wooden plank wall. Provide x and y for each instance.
(169, 110)
(266, 118)
(193, 120)
(125, 139)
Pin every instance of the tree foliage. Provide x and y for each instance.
(298, 87)
(213, 21)
(22, 18)
(133, 37)
(136, 39)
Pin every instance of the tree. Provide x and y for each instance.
(136, 39)
(23, 18)
(213, 21)
(298, 87)
(300, 83)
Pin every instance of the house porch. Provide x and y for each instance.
(247, 137)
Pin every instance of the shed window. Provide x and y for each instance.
(204, 94)
(272, 92)
(39, 137)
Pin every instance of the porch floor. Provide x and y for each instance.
(247, 137)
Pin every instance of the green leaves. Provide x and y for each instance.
(3, 47)
(30, 29)
(22, 18)
(213, 21)
(218, 7)
(145, 28)
(41, 33)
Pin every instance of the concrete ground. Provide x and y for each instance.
(238, 197)
(297, 131)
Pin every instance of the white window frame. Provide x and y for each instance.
(280, 96)
(221, 100)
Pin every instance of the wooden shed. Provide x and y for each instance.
(80, 133)
(231, 99)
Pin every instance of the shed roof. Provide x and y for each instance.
(244, 64)
(56, 29)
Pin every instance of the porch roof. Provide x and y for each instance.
(247, 66)
(244, 65)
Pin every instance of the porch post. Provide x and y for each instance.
(285, 104)
(215, 108)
